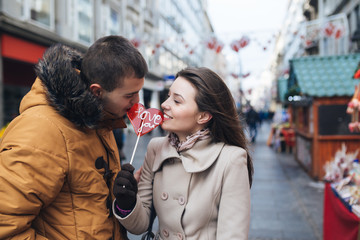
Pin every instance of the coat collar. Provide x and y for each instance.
(65, 89)
(197, 159)
(37, 96)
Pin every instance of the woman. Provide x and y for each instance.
(199, 176)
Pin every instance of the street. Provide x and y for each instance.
(286, 204)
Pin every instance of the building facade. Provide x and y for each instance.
(316, 57)
(170, 34)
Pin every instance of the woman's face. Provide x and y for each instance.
(181, 114)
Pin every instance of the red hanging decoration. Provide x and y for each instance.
(244, 41)
(246, 75)
(219, 47)
(338, 33)
(214, 44)
(136, 42)
(308, 43)
(329, 29)
(234, 75)
(235, 45)
(211, 43)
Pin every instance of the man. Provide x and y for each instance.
(59, 157)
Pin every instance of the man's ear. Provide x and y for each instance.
(204, 117)
(96, 89)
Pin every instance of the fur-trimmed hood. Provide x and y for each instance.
(59, 73)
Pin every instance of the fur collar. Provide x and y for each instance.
(65, 90)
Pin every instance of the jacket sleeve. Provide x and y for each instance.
(31, 175)
(234, 208)
(137, 221)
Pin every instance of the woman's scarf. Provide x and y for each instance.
(190, 140)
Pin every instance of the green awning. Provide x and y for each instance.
(326, 76)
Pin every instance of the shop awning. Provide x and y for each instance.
(282, 88)
(325, 76)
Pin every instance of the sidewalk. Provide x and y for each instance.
(286, 204)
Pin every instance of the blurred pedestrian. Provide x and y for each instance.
(58, 158)
(199, 176)
(252, 120)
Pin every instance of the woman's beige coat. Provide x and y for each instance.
(201, 193)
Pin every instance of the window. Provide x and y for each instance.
(333, 120)
(114, 20)
(39, 12)
(84, 20)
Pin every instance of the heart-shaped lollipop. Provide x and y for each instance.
(144, 120)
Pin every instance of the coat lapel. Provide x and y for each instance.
(197, 159)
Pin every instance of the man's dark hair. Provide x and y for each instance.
(111, 59)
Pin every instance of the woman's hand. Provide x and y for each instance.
(125, 187)
(137, 174)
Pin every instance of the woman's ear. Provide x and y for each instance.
(204, 117)
(96, 89)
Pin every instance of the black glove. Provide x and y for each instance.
(125, 188)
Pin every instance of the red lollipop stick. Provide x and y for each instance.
(143, 121)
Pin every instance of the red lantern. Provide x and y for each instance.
(234, 75)
(235, 45)
(244, 41)
(338, 33)
(329, 29)
(308, 43)
(211, 43)
(219, 47)
(136, 42)
(246, 75)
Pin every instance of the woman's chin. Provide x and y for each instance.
(165, 126)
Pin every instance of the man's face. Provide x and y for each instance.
(121, 99)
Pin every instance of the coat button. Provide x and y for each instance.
(181, 200)
(165, 232)
(164, 196)
(179, 236)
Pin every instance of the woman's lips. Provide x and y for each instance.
(167, 117)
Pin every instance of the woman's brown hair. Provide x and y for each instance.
(214, 96)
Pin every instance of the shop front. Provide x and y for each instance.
(321, 89)
(18, 58)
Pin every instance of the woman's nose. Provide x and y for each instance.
(164, 105)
